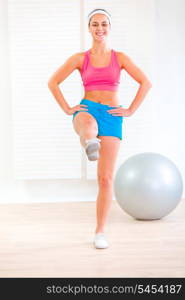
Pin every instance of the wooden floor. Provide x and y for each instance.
(55, 240)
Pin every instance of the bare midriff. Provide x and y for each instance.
(104, 97)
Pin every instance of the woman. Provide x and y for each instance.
(98, 118)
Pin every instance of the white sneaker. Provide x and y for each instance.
(100, 241)
(92, 148)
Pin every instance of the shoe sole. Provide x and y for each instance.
(92, 151)
(97, 247)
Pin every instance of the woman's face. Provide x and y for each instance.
(99, 27)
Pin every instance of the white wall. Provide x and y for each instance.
(169, 75)
(5, 104)
(168, 124)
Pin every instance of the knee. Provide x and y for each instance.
(105, 180)
(90, 123)
(88, 126)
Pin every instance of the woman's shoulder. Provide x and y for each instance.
(80, 58)
(121, 56)
(77, 59)
(79, 55)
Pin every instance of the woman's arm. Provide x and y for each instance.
(60, 75)
(136, 73)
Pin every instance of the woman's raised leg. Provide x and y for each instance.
(85, 125)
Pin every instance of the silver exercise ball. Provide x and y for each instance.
(148, 186)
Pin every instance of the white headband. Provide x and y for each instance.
(99, 11)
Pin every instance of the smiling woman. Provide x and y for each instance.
(98, 118)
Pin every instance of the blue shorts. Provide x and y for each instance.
(108, 125)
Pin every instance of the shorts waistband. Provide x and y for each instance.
(90, 102)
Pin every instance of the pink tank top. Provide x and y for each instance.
(100, 78)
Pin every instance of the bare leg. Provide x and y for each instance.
(106, 165)
(85, 126)
(103, 204)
